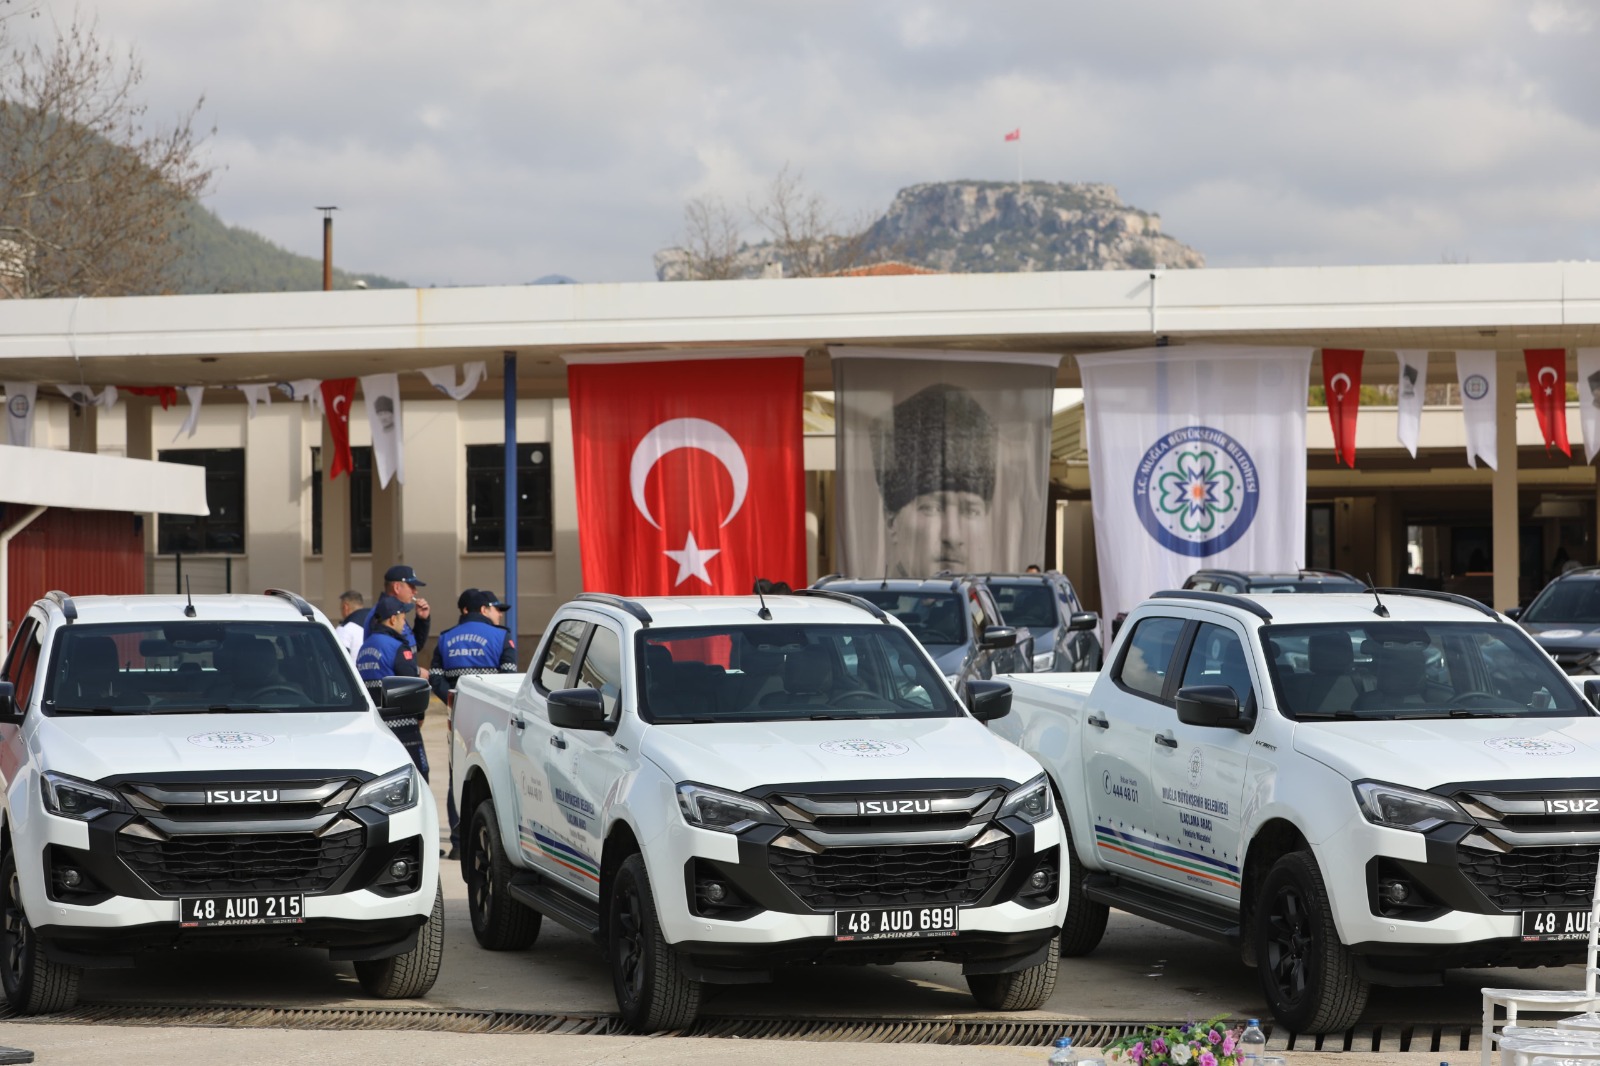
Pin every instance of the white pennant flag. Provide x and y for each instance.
(20, 401)
(84, 396)
(1476, 372)
(195, 393)
(304, 389)
(1413, 386)
(443, 378)
(1589, 402)
(255, 394)
(381, 394)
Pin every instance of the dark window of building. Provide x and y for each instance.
(223, 529)
(486, 498)
(360, 500)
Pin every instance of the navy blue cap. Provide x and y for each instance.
(476, 599)
(404, 573)
(389, 606)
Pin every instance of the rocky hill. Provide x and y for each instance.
(992, 227)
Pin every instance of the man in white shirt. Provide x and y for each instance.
(352, 628)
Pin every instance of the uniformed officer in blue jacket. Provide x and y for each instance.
(402, 583)
(478, 644)
(387, 653)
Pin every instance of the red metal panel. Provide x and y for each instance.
(80, 552)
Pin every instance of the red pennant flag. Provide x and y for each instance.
(1341, 381)
(1015, 135)
(1547, 381)
(690, 475)
(337, 396)
(167, 394)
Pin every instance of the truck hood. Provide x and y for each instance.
(97, 746)
(742, 755)
(1428, 753)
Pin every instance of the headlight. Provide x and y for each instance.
(71, 797)
(1031, 802)
(1044, 662)
(1405, 808)
(391, 793)
(726, 812)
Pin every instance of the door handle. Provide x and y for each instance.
(1166, 741)
(520, 723)
(557, 742)
(1098, 722)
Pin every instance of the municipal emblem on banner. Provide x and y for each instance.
(18, 406)
(1476, 387)
(1196, 491)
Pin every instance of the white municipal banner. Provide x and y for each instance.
(1476, 372)
(381, 392)
(20, 401)
(1589, 400)
(1413, 390)
(1197, 458)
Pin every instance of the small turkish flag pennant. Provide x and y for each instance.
(1341, 381)
(337, 395)
(1547, 384)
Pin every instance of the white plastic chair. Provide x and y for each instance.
(1548, 1000)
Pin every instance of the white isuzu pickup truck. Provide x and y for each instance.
(205, 772)
(714, 786)
(1351, 789)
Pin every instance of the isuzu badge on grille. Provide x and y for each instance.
(242, 795)
(905, 806)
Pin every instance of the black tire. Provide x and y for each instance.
(1308, 975)
(1085, 924)
(412, 973)
(499, 922)
(1020, 990)
(33, 983)
(653, 992)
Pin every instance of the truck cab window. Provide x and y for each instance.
(555, 669)
(1218, 658)
(602, 668)
(1144, 665)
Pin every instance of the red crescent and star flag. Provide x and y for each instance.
(1341, 382)
(1547, 384)
(1015, 135)
(690, 475)
(337, 395)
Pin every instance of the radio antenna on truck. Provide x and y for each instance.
(1381, 611)
(188, 611)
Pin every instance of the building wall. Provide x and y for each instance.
(82, 553)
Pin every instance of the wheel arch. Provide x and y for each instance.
(1275, 838)
(621, 841)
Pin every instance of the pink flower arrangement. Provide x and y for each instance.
(1205, 1043)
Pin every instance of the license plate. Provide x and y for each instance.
(895, 923)
(201, 912)
(1554, 925)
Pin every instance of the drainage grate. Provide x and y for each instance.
(1387, 1037)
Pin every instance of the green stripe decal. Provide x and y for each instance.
(1166, 858)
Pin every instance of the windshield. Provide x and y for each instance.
(1308, 583)
(782, 673)
(932, 617)
(1391, 670)
(1033, 606)
(1566, 601)
(195, 666)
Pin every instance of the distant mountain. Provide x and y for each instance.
(995, 227)
(222, 258)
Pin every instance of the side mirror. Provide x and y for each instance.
(1210, 705)
(998, 637)
(1591, 691)
(988, 700)
(403, 697)
(10, 713)
(1082, 620)
(577, 708)
(1513, 614)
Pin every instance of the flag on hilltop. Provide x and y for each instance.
(1015, 135)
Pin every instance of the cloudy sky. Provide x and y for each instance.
(480, 143)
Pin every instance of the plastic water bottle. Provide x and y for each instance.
(1064, 1054)
(1252, 1044)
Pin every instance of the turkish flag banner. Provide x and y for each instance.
(1341, 382)
(690, 475)
(337, 395)
(1547, 382)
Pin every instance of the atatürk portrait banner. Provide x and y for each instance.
(943, 460)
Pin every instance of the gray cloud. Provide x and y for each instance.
(493, 142)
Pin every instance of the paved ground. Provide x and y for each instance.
(1142, 971)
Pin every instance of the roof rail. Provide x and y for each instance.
(1447, 597)
(295, 600)
(621, 603)
(844, 597)
(69, 610)
(824, 579)
(1227, 598)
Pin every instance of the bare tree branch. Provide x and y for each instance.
(711, 240)
(92, 203)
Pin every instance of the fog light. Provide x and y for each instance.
(716, 892)
(1040, 879)
(71, 879)
(1396, 891)
(400, 869)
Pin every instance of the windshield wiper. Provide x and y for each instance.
(56, 708)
